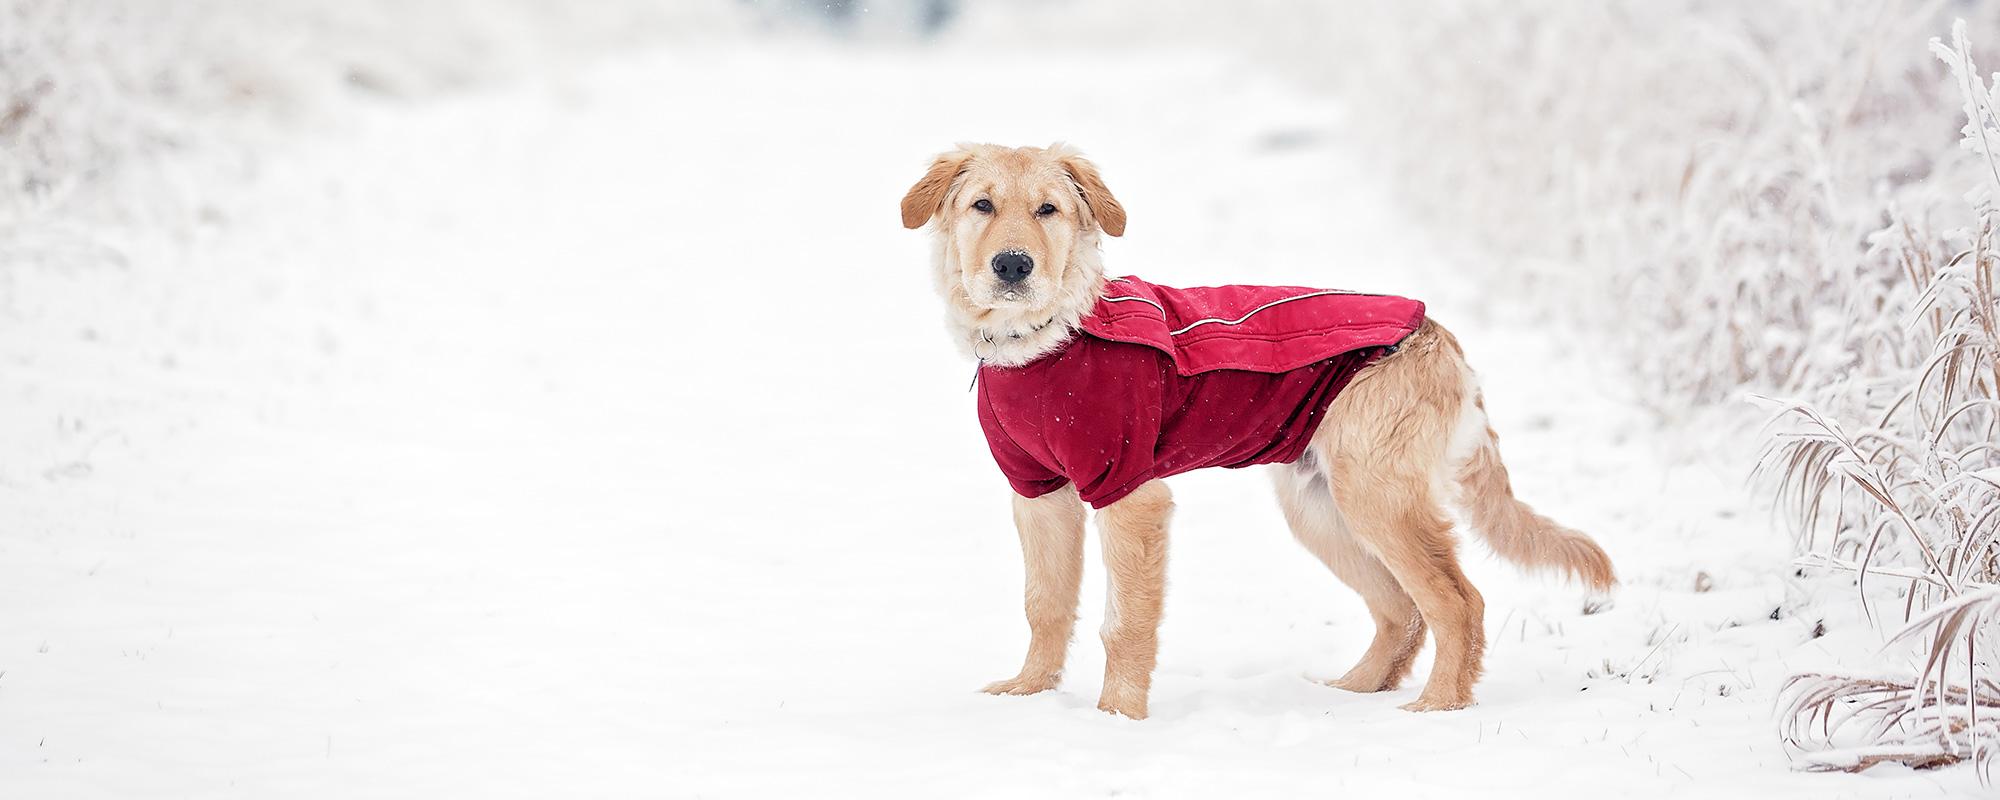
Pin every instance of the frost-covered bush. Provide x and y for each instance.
(1694, 183)
(1906, 486)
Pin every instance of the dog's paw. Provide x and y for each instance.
(1125, 701)
(1124, 709)
(1023, 684)
(1351, 683)
(1423, 704)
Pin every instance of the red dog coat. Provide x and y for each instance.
(1161, 381)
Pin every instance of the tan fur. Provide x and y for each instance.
(1406, 436)
(1103, 207)
(1519, 534)
(1134, 530)
(1318, 525)
(1051, 528)
(923, 199)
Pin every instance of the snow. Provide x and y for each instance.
(597, 436)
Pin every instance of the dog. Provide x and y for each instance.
(1369, 412)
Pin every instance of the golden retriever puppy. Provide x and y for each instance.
(1093, 389)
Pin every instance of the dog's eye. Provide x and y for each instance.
(983, 206)
(1045, 210)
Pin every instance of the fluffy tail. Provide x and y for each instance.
(1515, 531)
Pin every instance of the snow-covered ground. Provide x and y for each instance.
(598, 438)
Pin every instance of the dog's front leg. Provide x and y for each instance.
(1135, 554)
(1051, 528)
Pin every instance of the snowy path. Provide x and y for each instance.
(503, 447)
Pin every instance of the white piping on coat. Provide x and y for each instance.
(1237, 321)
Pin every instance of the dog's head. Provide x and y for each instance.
(1017, 228)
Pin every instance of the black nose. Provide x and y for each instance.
(1013, 266)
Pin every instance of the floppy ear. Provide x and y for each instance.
(927, 196)
(1103, 207)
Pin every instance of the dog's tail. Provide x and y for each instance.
(1509, 526)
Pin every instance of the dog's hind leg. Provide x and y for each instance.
(1051, 529)
(1387, 444)
(1307, 498)
(1412, 537)
(1134, 530)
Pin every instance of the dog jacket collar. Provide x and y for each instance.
(1159, 381)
